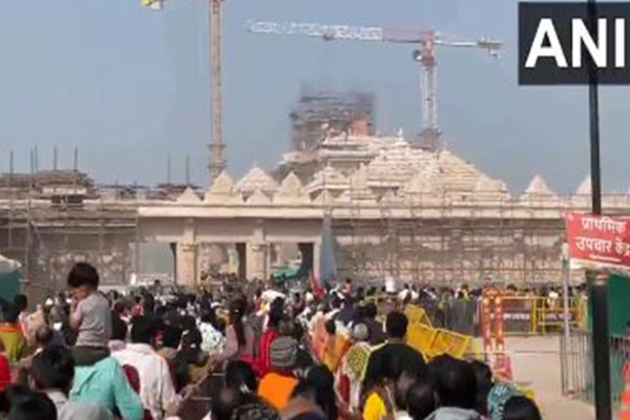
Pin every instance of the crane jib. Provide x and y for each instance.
(340, 32)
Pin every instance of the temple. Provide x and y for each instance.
(396, 212)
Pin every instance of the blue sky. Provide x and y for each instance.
(128, 86)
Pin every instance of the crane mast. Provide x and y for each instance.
(217, 161)
(427, 41)
(430, 131)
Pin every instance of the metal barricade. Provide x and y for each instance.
(548, 315)
(451, 343)
(539, 315)
(521, 314)
(433, 342)
(417, 315)
(576, 361)
(463, 319)
(459, 315)
(421, 338)
(577, 366)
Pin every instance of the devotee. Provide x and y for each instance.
(11, 334)
(353, 366)
(53, 372)
(395, 349)
(521, 408)
(263, 359)
(375, 328)
(456, 387)
(336, 345)
(276, 386)
(239, 336)
(313, 397)
(156, 386)
(90, 315)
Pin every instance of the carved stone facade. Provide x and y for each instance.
(396, 211)
(418, 215)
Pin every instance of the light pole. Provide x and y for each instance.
(598, 281)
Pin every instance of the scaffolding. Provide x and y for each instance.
(321, 111)
(448, 249)
(450, 235)
(50, 220)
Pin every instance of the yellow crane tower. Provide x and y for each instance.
(216, 161)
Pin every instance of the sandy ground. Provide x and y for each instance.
(536, 360)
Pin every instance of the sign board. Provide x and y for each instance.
(598, 241)
(549, 317)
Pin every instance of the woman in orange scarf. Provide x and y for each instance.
(335, 348)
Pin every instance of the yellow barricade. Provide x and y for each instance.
(421, 338)
(417, 315)
(453, 344)
(536, 315)
(433, 342)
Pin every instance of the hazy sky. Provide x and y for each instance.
(128, 86)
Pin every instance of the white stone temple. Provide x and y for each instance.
(396, 211)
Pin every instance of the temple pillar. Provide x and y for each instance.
(186, 268)
(257, 254)
(186, 264)
(256, 266)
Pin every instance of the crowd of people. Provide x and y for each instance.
(313, 355)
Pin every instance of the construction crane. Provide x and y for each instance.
(217, 162)
(428, 41)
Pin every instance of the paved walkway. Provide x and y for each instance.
(536, 360)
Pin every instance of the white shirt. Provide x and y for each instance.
(116, 345)
(390, 285)
(309, 297)
(402, 415)
(213, 342)
(156, 386)
(304, 317)
(403, 294)
(74, 410)
(331, 314)
(271, 295)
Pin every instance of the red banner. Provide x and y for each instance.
(598, 240)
